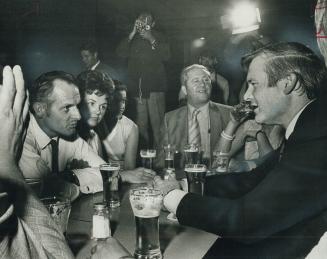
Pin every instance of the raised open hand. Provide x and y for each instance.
(14, 106)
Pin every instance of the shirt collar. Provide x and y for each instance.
(41, 137)
(291, 125)
(95, 65)
(203, 109)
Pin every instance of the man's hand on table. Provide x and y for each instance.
(171, 191)
(138, 175)
(165, 186)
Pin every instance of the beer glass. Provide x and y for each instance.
(195, 174)
(59, 209)
(222, 162)
(146, 203)
(147, 156)
(191, 154)
(110, 173)
(169, 156)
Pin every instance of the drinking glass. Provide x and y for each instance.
(147, 156)
(110, 173)
(222, 162)
(191, 154)
(59, 209)
(169, 156)
(146, 203)
(195, 174)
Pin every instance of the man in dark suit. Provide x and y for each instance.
(279, 209)
(146, 50)
(212, 117)
(91, 60)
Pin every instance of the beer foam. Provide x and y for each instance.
(195, 170)
(110, 168)
(147, 213)
(148, 155)
(192, 149)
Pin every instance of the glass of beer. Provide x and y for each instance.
(110, 173)
(192, 154)
(147, 156)
(195, 174)
(59, 209)
(169, 156)
(221, 161)
(146, 203)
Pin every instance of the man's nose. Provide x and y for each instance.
(76, 114)
(248, 94)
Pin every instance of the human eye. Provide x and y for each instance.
(207, 80)
(66, 108)
(103, 107)
(195, 80)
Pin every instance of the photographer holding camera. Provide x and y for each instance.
(146, 50)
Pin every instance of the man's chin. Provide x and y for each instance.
(69, 135)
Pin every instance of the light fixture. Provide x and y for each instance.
(244, 17)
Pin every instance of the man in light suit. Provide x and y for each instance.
(278, 210)
(212, 117)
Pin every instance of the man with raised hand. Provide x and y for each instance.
(26, 228)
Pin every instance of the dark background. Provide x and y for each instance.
(44, 35)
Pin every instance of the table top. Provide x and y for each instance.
(176, 241)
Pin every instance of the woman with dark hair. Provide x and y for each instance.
(120, 136)
(96, 90)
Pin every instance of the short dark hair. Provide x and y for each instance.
(43, 85)
(284, 58)
(91, 46)
(94, 81)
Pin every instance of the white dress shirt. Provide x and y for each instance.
(36, 158)
(95, 65)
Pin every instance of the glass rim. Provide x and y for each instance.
(198, 167)
(148, 150)
(110, 164)
(55, 200)
(157, 192)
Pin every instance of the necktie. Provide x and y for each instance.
(194, 129)
(281, 149)
(54, 162)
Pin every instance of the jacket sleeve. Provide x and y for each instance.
(162, 47)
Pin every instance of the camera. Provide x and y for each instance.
(142, 26)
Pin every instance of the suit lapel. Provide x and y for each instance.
(181, 129)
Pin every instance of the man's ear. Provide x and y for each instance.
(96, 55)
(290, 83)
(183, 87)
(40, 109)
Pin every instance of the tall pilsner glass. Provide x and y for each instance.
(110, 173)
(169, 156)
(195, 174)
(146, 204)
(147, 156)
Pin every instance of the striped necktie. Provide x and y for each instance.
(194, 129)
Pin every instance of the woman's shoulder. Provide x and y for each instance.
(127, 122)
